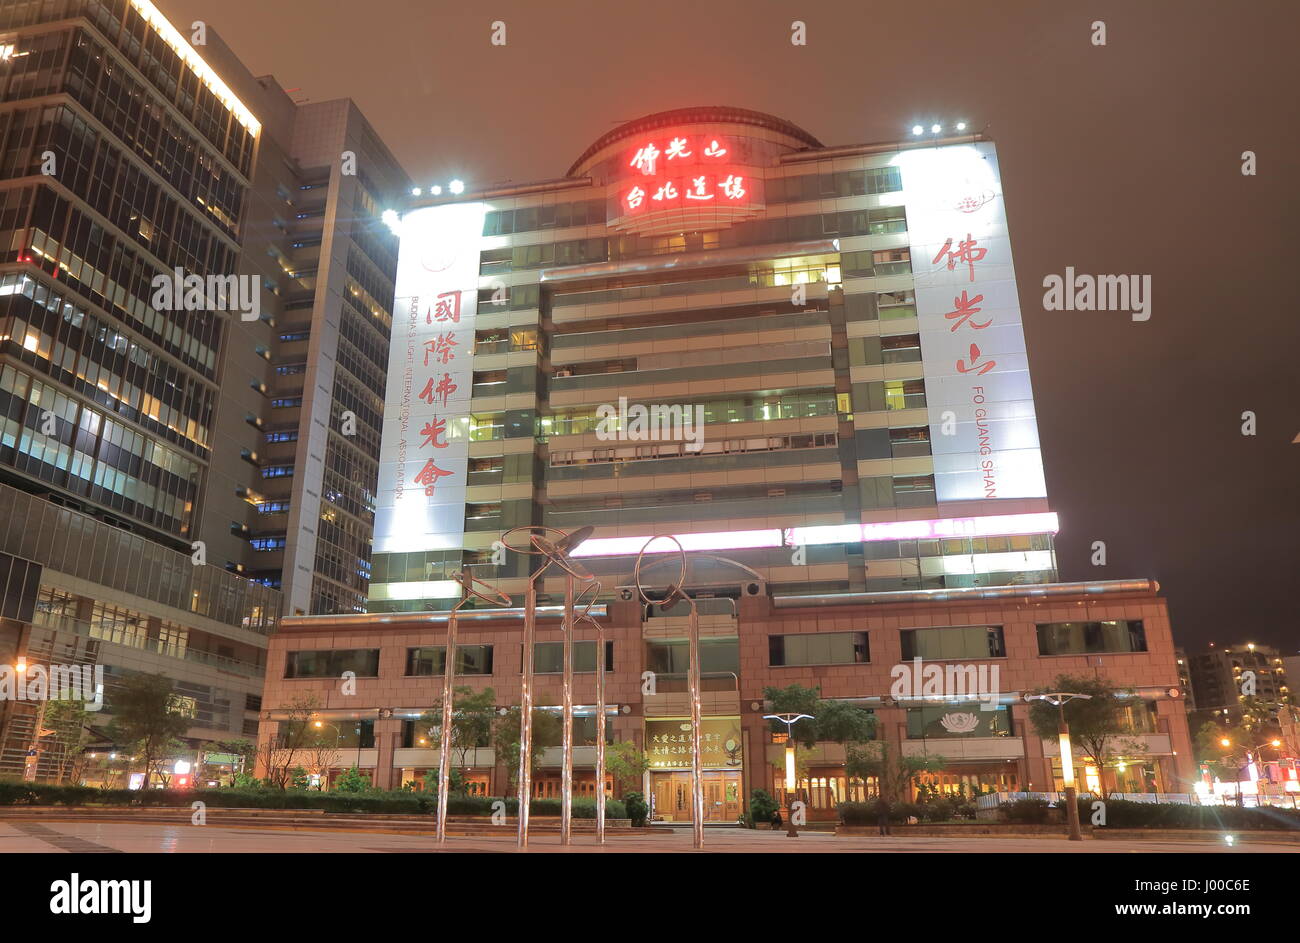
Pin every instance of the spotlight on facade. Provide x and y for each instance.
(961, 125)
(456, 186)
(392, 221)
(416, 191)
(936, 128)
(917, 129)
(435, 190)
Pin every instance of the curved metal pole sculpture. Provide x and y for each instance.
(675, 593)
(468, 582)
(585, 617)
(556, 552)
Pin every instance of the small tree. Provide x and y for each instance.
(627, 763)
(70, 722)
(1097, 725)
(892, 770)
(834, 721)
(321, 754)
(277, 753)
(352, 780)
(472, 718)
(547, 732)
(147, 716)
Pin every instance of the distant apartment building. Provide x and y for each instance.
(1224, 676)
(177, 473)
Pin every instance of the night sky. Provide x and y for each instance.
(1122, 159)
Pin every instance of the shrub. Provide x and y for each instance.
(637, 810)
(761, 808)
(1027, 812)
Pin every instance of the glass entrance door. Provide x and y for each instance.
(672, 793)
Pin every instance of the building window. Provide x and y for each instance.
(672, 656)
(364, 662)
(548, 657)
(1087, 638)
(962, 719)
(432, 660)
(953, 642)
(822, 648)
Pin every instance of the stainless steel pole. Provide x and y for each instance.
(697, 774)
(526, 710)
(444, 732)
(600, 734)
(566, 741)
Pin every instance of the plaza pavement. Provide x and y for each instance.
(111, 837)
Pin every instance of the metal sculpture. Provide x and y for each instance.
(468, 583)
(555, 552)
(674, 593)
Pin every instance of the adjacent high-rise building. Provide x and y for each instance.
(195, 302)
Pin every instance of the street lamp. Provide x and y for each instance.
(1059, 700)
(790, 774)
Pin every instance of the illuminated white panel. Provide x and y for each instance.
(723, 540)
(972, 343)
(424, 452)
(994, 525)
(431, 589)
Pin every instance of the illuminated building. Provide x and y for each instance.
(130, 429)
(808, 359)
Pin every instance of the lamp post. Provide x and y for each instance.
(791, 774)
(1059, 700)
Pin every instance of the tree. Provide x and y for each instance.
(473, 714)
(70, 722)
(547, 732)
(321, 754)
(627, 763)
(834, 721)
(277, 752)
(1097, 725)
(146, 715)
(892, 770)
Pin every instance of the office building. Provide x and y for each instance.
(806, 359)
(157, 450)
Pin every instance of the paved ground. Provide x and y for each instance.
(93, 837)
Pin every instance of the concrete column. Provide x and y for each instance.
(387, 733)
(1180, 770)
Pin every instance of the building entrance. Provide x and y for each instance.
(672, 796)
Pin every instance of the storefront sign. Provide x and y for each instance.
(668, 743)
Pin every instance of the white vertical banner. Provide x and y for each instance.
(972, 342)
(424, 453)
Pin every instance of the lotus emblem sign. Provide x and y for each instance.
(959, 722)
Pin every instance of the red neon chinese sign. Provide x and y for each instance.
(684, 171)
